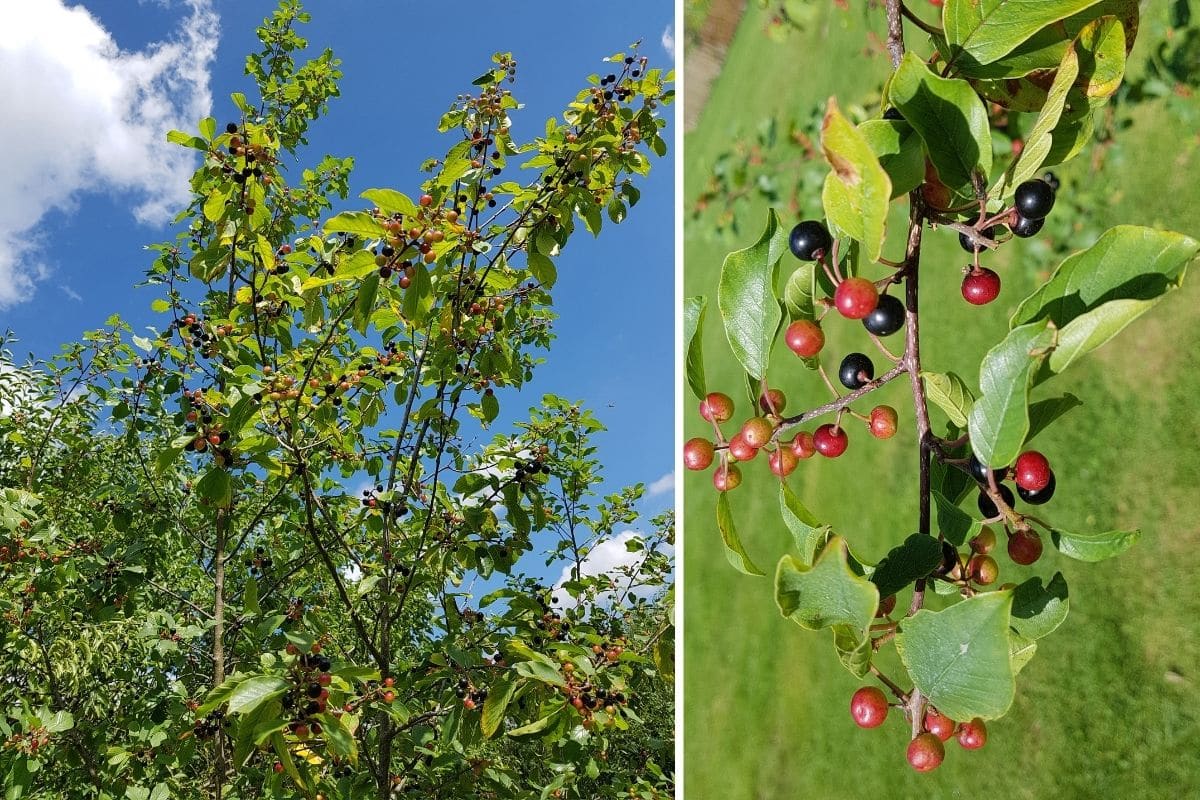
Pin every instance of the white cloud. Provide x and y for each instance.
(82, 115)
(664, 485)
(668, 41)
(614, 558)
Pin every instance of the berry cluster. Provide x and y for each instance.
(28, 742)
(869, 708)
(471, 696)
(1032, 202)
(260, 562)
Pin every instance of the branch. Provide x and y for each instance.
(895, 37)
(842, 402)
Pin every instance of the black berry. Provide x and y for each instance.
(1024, 227)
(231, 128)
(1034, 199)
(988, 508)
(809, 239)
(893, 113)
(980, 472)
(887, 318)
(969, 246)
(856, 371)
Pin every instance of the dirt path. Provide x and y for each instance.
(703, 60)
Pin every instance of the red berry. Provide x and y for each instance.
(389, 682)
(939, 725)
(830, 441)
(803, 445)
(883, 422)
(698, 453)
(1024, 547)
(1032, 471)
(855, 298)
(972, 735)
(925, 753)
(727, 477)
(278, 767)
(869, 707)
(740, 449)
(325, 679)
(716, 407)
(757, 431)
(389, 696)
(426, 201)
(783, 461)
(983, 570)
(773, 401)
(981, 287)
(804, 338)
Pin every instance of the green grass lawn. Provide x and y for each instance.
(1108, 707)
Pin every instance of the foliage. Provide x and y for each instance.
(200, 604)
(960, 657)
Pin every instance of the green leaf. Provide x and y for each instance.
(951, 394)
(338, 738)
(541, 671)
(1044, 50)
(857, 192)
(898, 148)
(746, 297)
(1127, 263)
(219, 694)
(255, 691)
(1038, 610)
(365, 302)
(956, 525)
(914, 558)
(1094, 547)
(490, 406)
(999, 422)
(418, 297)
(807, 531)
(499, 696)
(693, 336)
(826, 594)
(959, 657)
(391, 202)
(853, 651)
(1038, 141)
(734, 551)
(1020, 650)
(214, 205)
(800, 291)
(359, 223)
(284, 754)
(250, 597)
(1044, 412)
(216, 487)
(1102, 48)
(951, 120)
(1091, 330)
(982, 31)
(266, 717)
(542, 269)
(537, 726)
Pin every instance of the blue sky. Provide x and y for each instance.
(90, 96)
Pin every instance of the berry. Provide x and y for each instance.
(1023, 227)
(231, 127)
(772, 401)
(939, 725)
(988, 508)
(883, 422)
(716, 407)
(1024, 547)
(925, 753)
(426, 200)
(892, 113)
(983, 570)
(804, 338)
(809, 240)
(1038, 497)
(855, 298)
(727, 477)
(830, 441)
(886, 318)
(698, 453)
(740, 449)
(969, 246)
(984, 541)
(981, 286)
(757, 431)
(980, 472)
(972, 735)
(389, 696)
(869, 707)
(950, 567)
(856, 371)
(803, 445)
(1031, 471)
(1034, 199)
(782, 461)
